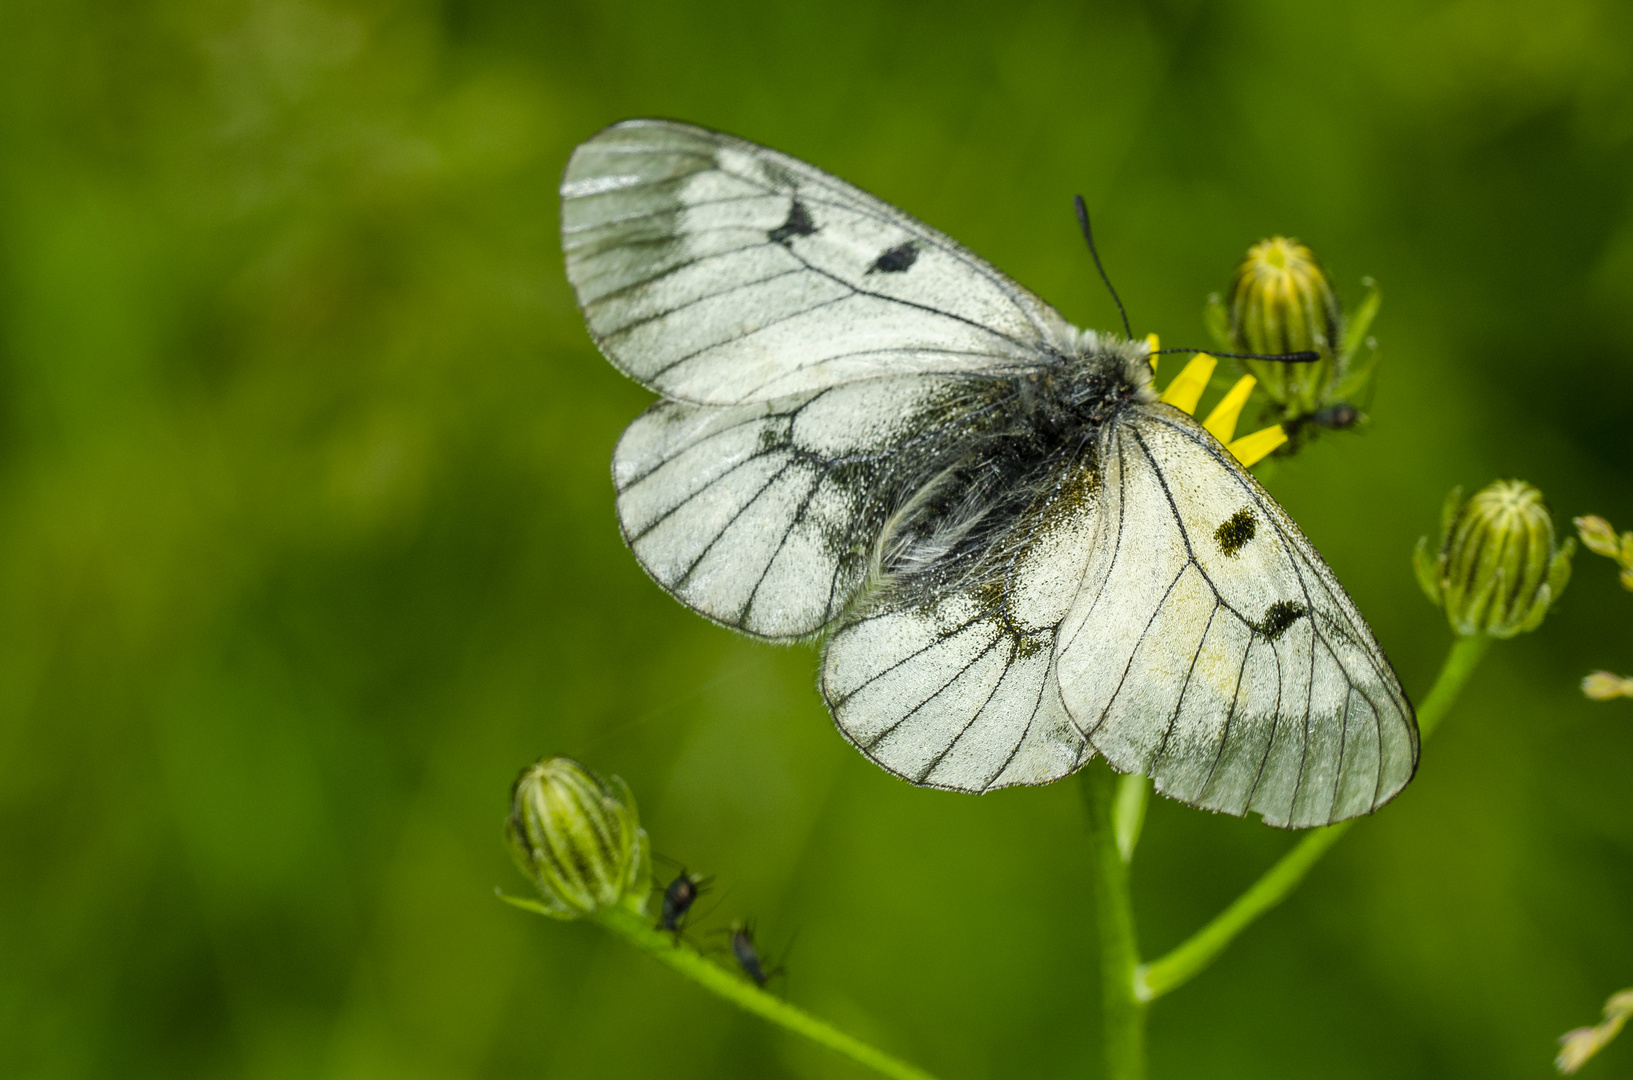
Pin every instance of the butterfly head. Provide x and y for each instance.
(1101, 372)
(1137, 370)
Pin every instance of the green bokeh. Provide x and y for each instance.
(307, 542)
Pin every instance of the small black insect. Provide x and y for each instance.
(747, 954)
(1340, 417)
(1337, 417)
(678, 899)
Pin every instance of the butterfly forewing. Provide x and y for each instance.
(1212, 648)
(719, 272)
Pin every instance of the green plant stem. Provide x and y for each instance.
(1157, 978)
(738, 990)
(1465, 656)
(1124, 1015)
(1128, 814)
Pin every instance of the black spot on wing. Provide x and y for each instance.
(896, 260)
(799, 223)
(1234, 534)
(1278, 617)
(1276, 620)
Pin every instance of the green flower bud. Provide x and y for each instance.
(1599, 536)
(1577, 1047)
(1497, 569)
(578, 838)
(1605, 685)
(1280, 302)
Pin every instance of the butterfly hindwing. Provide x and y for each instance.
(945, 674)
(716, 271)
(1212, 648)
(949, 697)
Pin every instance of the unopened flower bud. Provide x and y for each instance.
(1280, 302)
(1497, 569)
(1604, 685)
(578, 838)
(1576, 1047)
(1599, 537)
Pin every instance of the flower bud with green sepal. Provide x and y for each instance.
(1601, 538)
(1497, 569)
(1280, 301)
(578, 838)
(1577, 1047)
(1605, 685)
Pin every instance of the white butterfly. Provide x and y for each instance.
(1019, 555)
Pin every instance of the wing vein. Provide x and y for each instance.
(1270, 744)
(915, 654)
(1186, 685)
(1031, 719)
(1309, 706)
(930, 768)
(647, 320)
(908, 715)
(673, 510)
(726, 528)
(857, 290)
(705, 440)
(673, 364)
(644, 215)
(1115, 694)
(799, 516)
(1230, 714)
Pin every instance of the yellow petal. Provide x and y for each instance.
(1186, 389)
(1222, 421)
(1151, 351)
(1251, 449)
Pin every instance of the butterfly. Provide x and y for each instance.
(1015, 555)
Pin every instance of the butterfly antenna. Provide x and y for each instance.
(1088, 235)
(1283, 358)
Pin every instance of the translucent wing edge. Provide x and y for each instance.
(1048, 322)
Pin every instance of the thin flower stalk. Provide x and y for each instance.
(1179, 966)
(738, 990)
(1124, 1013)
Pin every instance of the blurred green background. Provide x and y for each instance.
(307, 541)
